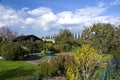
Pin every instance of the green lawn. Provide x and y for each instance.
(10, 70)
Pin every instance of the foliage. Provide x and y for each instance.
(42, 53)
(65, 53)
(33, 46)
(86, 59)
(13, 51)
(57, 48)
(1, 39)
(106, 57)
(48, 46)
(2, 42)
(101, 36)
(116, 50)
(45, 70)
(65, 39)
(7, 33)
(11, 70)
(54, 67)
(64, 61)
(72, 72)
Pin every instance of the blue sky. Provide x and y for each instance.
(47, 17)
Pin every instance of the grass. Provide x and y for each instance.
(98, 75)
(106, 57)
(100, 71)
(11, 70)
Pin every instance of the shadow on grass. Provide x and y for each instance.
(14, 73)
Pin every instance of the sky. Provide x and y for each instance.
(47, 17)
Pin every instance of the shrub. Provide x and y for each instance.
(33, 46)
(62, 62)
(57, 48)
(56, 66)
(13, 51)
(1, 44)
(48, 46)
(42, 53)
(45, 70)
(86, 59)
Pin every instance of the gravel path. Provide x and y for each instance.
(38, 61)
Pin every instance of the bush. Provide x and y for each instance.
(45, 70)
(42, 53)
(86, 59)
(57, 48)
(55, 67)
(13, 51)
(60, 63)
(33, 46)
(1, 44)
(48, 46)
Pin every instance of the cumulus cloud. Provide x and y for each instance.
(45, 19)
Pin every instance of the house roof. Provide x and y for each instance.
(26, 37)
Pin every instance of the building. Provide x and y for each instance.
(26, 38)
(49, 40)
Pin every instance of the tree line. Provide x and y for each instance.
(104, 37)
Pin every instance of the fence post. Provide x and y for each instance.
(108, 74)
(105, 73)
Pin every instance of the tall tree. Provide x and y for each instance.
(65, 36)
(85, 36)
(103, 34)
(66, 39)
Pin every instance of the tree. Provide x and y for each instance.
(7, 33)
(102, 36)
(85, 36)
(65, 38)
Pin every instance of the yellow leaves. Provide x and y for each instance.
(86, 59)
(70, 73)
(103, 65)
(86, 56)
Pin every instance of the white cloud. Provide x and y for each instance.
(29, 20)
(101, 4)
(90, 11)
(44, 19)
(67, 17)
(115, 2)
(39, 11)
